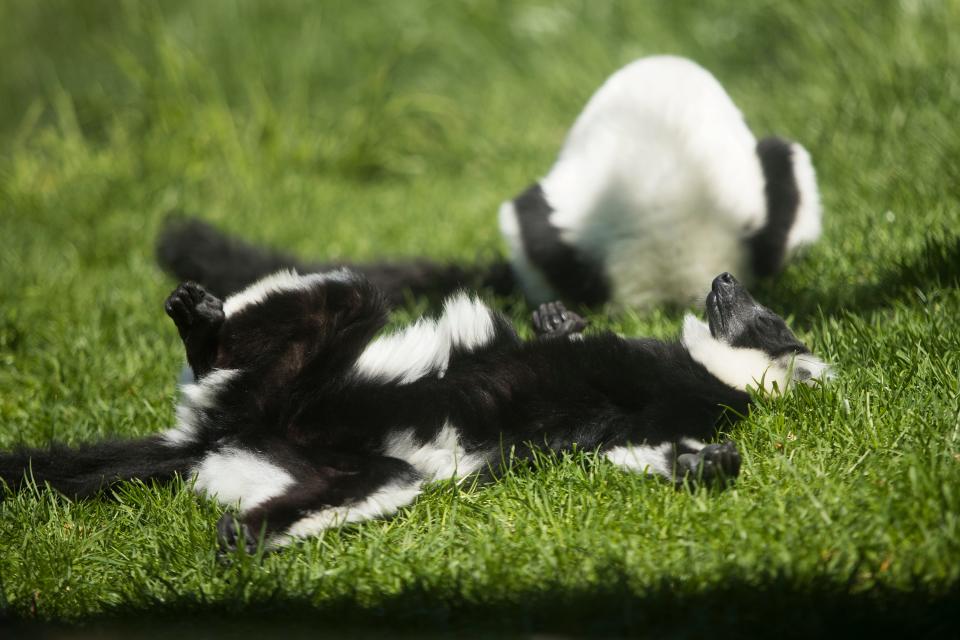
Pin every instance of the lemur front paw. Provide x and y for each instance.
(554, 320)
(715, 464)
(231, 533)
(194, 310)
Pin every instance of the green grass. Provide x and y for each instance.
(392, 128)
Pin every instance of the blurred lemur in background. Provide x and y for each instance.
(659, 185)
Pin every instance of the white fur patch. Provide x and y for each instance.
(658, 180)
(287, 280)
(424, 348)
(741, 368)
(234, 475)
(440, 459)
(407, 355)
(194, 397)
(643, 459)
(382, 503)
(693, 443)
(469, 322)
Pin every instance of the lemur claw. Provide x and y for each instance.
(554, 320)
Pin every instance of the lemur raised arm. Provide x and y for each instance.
(305, 414)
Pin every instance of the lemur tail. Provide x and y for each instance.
(83, 471)
(190, 249)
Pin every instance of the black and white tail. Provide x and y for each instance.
(193, 250)
(84, 470)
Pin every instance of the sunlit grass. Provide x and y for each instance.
(396, 128)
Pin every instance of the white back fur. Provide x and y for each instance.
(659, 179)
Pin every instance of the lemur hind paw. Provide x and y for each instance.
(715, 464)
(554, 320)
(231, 534)
(193, 309)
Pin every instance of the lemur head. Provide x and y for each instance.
(745, 344)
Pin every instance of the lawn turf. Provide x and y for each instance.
(389, 128)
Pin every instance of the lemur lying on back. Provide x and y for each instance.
(659, 186)
(304, 417)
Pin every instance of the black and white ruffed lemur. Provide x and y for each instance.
(303, 414)
(659, 186)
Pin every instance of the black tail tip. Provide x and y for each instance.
(179, 236)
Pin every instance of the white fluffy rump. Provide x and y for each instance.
(658, 180)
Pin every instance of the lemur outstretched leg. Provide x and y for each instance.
(554, 320)
(336, 489)
(198, 316)
(683, 462)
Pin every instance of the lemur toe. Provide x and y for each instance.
(231, 533)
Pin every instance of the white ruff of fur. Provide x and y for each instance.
(643, 459)
(442, 458)
(659, 180)
(742, 368)
(194, 397)
(234, 475)
(382, 503)
(287, 280)
(424, 348)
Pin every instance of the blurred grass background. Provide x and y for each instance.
(371, 129)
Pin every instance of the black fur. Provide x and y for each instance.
(297, 400)
(192, 250)
(741, 321)
(769, 246)
(86, 470)
(573, 275)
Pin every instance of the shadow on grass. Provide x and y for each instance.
(935, 265)
(774, 607)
